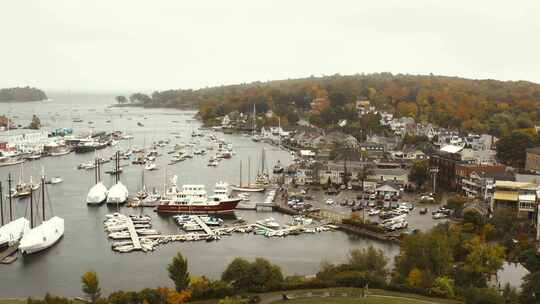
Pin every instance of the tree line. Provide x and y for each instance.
(483, 106)
(22, 94)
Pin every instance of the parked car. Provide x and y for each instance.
(427, 198)
(439, 215)
(423, 211)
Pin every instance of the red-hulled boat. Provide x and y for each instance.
(194, 199)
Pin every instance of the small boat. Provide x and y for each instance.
(269, 222)
(278, 168)
(150, 166)
(13, 231)
(56, 180)
(140, 124)
(147, 232)
(124, 249)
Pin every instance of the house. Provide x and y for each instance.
(410, 154)
(478, 181)
(362, 106)
(516, 198)
(372, 150)
(333, 139)
(395, 175)
(445, 161)
(387, 189)
(532, 161)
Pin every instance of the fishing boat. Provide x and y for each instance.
(56, 149)
(13, 231)
(46, 234)
(194, 199)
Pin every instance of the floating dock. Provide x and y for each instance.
(133, 234)
(203, 225)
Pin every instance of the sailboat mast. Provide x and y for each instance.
(254, 120)
(1, 206)
(249, 171)
(10, 198)
(240, 184)
(43, 196)
(31, 207)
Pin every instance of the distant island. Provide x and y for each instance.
(22, 94)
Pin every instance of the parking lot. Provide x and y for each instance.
(319, 199)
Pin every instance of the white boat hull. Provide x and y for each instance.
(97, 194)
(13, 231)
(42, 236)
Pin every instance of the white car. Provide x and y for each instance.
(427, 198)
(374, 212)
(329, 201)
(439, 215)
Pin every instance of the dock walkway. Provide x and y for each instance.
(203, 225)
(133, 234)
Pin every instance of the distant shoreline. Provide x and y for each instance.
(24, 101)
(132, 105)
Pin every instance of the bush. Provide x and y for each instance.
(443, 287)
(483, 296)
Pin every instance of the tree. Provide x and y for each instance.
(90, 286)
(36, 123)
(530, 289)
(511, 149)
(483, 259)
(121, 99)
(178, 272)
(443, 287)
(363, 173)
(456, 203)
(483, 296)
(237, 273)
(419, 173)
(369, 260)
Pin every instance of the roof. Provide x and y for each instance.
(513, 185)
(535, 150)
(506, 196)
(528, 178)
(307, 153)
(527, 197)
(386, 188)
(451, 149)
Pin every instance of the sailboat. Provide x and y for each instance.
(23, 189)
(249, 187)
(254, 136)
(98, 193)
(44, 235)
(118, 193)
(263, 178)
(13, 231)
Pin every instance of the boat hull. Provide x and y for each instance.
(85, 149)
(247, 189)
(225, 206)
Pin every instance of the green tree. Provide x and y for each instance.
(36, 123)
(510, 295)
(483, 259)
(419, 173)
(369, 260)
(237, 273)
(511, 149)
(483, 296)
(121, 99)
(363, 173)
(178, 272)
(90, 286)
(443, 287)
(530, 289)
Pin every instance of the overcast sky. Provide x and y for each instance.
(117, 45)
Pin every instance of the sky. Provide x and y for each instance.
(131, 45)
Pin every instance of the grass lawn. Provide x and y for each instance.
(14, 301)
(372, 300)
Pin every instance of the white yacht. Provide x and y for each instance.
(13, 231)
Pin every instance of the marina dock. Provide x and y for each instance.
(133, 234)
(203, 225)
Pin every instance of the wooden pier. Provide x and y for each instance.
(203, 225)
(133, 234)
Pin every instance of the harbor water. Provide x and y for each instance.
(85, 246)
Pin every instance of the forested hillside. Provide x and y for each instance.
(492, 106)
(22, 94)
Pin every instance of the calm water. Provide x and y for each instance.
(85, 246)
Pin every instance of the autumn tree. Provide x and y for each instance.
(368, 260)
(419, 173)
(178, 272)
(90, 286)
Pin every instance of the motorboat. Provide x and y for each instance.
(278, 168)
(150, 166)
(56, 180)
(269, 223)
(13, 231)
